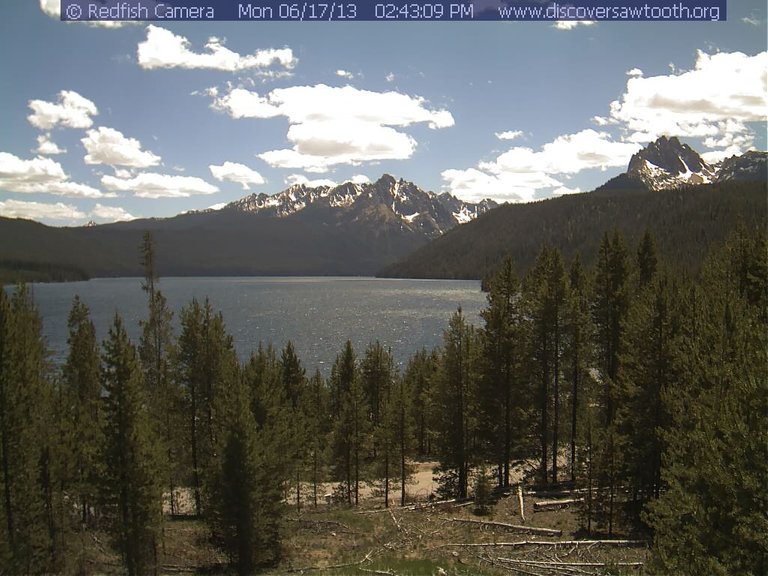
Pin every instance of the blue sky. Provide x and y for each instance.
(107, 123)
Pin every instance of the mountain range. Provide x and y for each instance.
(350, 229)
(395, 228)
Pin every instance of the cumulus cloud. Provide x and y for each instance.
(109, 146)
(53, 9)
(111, 213)
(360, 179)
(153, 185)
(47, 147)
(238, 173)
(39, 210)
(40, 175)
(336, 125)
(164, 49)
(71, 111)
(296, 179)
(571, 24)
(520, 173)
(714, 101)
(345, 74)
(509, 135)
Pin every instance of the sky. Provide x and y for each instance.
(105, 123)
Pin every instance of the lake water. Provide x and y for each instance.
(317, 314)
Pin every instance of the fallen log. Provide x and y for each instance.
(515, 527)
(556, 504)
(589, 543)
(520, 500)
(569, 564)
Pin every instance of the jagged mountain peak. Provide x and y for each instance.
(667, 162)
(388, 199)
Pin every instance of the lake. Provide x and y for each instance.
(318, 314)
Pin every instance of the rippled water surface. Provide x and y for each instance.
(317, 314)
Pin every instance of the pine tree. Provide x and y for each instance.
(458, 405)
(546, 292)
(377, 374)
(245, 489)
(207, 366)
(501, 385)
(648, 372)
(82, 393)
(294, 384)
(28, 532)
(318, 426)
(420, 376)
(350, 429)
(610, 311)
(711, 517)
(578, 351)
(132, 484)
(156, 351)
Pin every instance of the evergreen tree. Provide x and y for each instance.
(610, 311)
(28, 534)
(647, 373)
(711, 517)
(206, 367)
(578, 350)
(647, 259)
(294, 384)
(546, 291)
(245, 488)
(156, 353)
(318, 426)
(350, 432)
(501, 385)
(458, 404)
(131, 483)
(82, 392)
(419, 376)
(377, 374)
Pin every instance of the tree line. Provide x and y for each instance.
(645, 389)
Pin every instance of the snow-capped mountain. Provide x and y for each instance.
(668, 163)
(387, 201)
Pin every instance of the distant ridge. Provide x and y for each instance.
(664, 190)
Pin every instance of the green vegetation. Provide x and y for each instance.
(686, 224)
(640, 390)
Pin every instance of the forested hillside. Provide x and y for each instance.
(642, 389)
(686, 222)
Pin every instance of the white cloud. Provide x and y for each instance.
(39, 210)
(336, 125)
(153, 185)
(295, 179)
(47, 147)
(71, 111)
(218, 206)
(571, 24)
(509, 134)
(109, 146)
(360, 179)
(40, 176)
(520, 173)
(53, 9)
(345, 74)
(390, 77)
(238, 173)
(111, 213)
(164, 49)
(717, 99)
